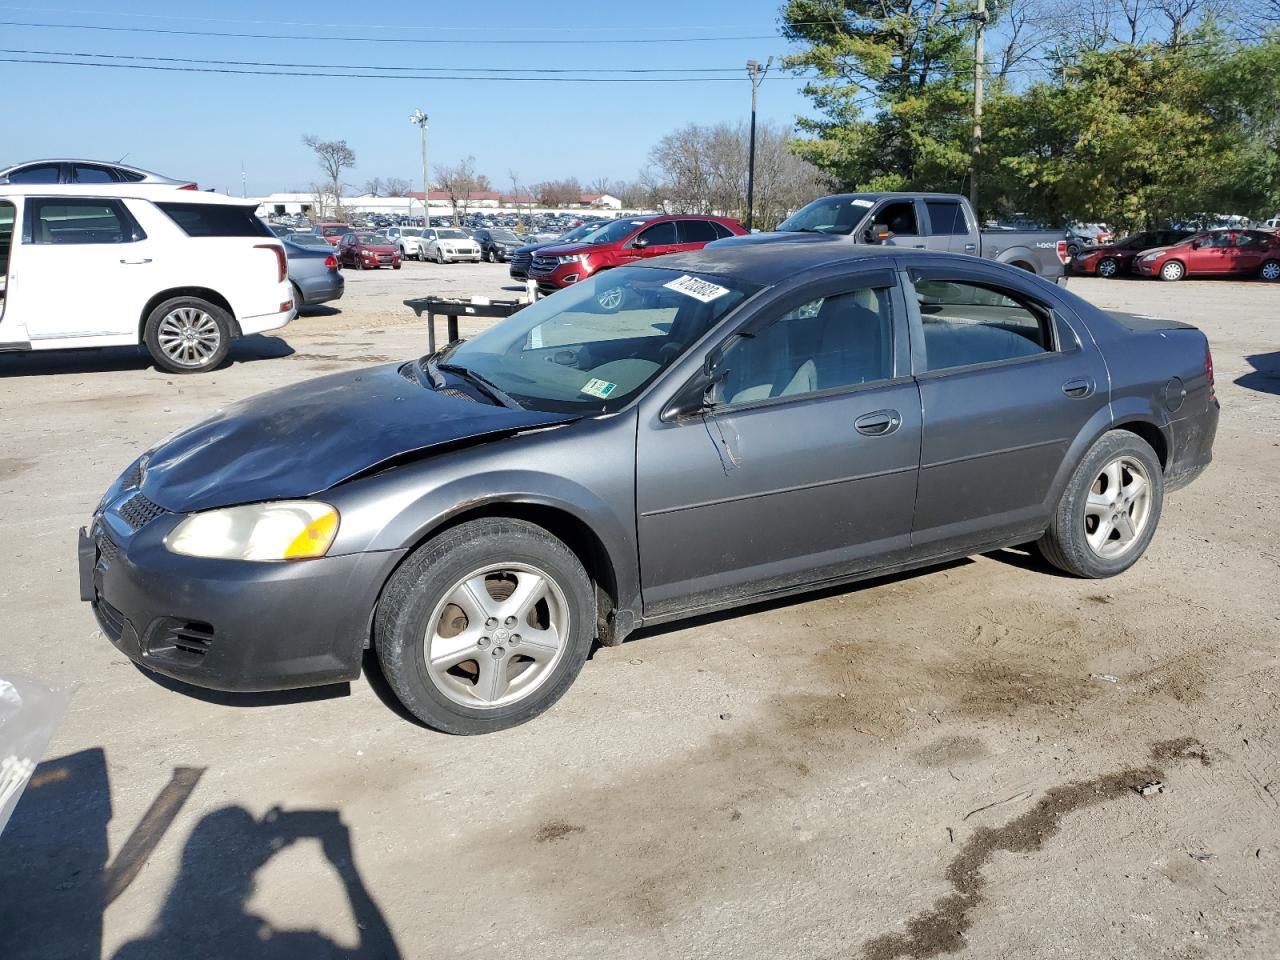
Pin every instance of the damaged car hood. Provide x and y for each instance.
(300, 440)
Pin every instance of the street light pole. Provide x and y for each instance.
(420, 119)
(755, 73)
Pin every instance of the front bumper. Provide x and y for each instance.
(229, 625)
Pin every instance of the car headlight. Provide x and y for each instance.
(284, 530)
(574, 258)
(1150, 257)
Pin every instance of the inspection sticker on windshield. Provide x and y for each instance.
(702, 290)
(860, 202)
(599, 388)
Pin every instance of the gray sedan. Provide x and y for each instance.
(313, 269)
(657, 442)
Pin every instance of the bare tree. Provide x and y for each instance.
(460, 181)
(558, 193)
(333, 156)
(396, 186)
(373, 187)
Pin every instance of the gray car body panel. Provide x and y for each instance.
(318, 283)
(712, 509)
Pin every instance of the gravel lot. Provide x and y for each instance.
(908, 767)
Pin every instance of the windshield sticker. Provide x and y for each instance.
(861, 202)
(598, 388)
(703, 290)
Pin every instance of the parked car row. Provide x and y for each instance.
(1174, 254)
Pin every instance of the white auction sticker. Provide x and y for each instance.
(860, 202)
(703, 290)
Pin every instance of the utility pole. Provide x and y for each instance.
(755, 73)
(420, 119)
(244, 181)
(979, 54)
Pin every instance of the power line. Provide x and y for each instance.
(376, 76)
(400, 40)
(372, 66)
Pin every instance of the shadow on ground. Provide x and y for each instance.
(56, 880)
(1265, 377)
(43, 363)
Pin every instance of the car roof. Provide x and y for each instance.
(136, 191)
(771, 258)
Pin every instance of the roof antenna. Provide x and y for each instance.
(126, 153)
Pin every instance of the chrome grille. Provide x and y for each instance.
(543, 265)
(521, 260)
(138, 511)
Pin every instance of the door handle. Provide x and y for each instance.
(917, 246)
(878, 424)
(970, 247)
(143, 260)
(1078, 388)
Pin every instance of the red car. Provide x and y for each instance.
(1233, 253)
(1112, 259)
(333, 232)
(624, 241)
(367, 251)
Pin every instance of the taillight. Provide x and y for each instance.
(1208, 372)
(331, 262)
(189, 186)
(282, 264)
(1062, 252)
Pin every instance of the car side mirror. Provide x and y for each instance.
(879, 233)
(700, 394)
(1195, 244)
(639, 243)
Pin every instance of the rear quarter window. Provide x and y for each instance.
(215, 220)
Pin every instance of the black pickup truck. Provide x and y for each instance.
(930, 221)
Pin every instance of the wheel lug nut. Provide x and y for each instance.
(498, 651)
(491, 622)
(515, 638)
(483, 643)
(511, 621)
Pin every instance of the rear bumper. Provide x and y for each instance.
(321, 289)
(231, 625)
(267, 321)
(1192, 446)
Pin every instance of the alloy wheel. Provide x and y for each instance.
(189, 336)
(1118, 508)
(1172, 270)
(1270, 270)
(1107, 267)
(497, 635)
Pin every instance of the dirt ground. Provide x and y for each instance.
(922, 765)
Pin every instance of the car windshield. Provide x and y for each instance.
(308, 240)
(504, 236)
(411, 232)
(577, 233)
(451, 235)
(596, 344)
(336, 231)
(613, 231)
(828, 215)
(371, 238)
(1137, 241)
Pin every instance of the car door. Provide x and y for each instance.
(1007, 383)
(1248, 250)
(695, 234)
(949, 230)
(901, 216)
(1211, 254)
(84, 269)
(655, 241)
(803, 466)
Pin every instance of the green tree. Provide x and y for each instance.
(1136, 136)
(893, 90)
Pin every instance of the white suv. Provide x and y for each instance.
(449, 245)
(179, 271)
(411, 243)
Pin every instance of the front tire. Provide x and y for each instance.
(485, 626)
(1109, 510)
(1173, 271)
(188, 335)
(1108, 267)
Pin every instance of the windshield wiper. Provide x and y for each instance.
(492, 389)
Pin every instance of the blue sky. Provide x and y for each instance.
(203, 126)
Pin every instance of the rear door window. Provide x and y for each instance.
(215, 220)
(87, 173)
(41, 173)
(697, 231)
(62, 221)
(967, 323)
(946, 218)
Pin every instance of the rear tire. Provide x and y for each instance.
(424, 639)
(1173, 271)
(299, 301)
(1109, 510)
(1270, 271)
(188, 335)
(1108, 267)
